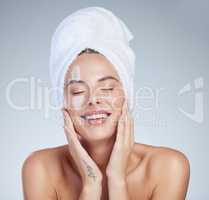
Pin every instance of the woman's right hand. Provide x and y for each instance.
(89, 171)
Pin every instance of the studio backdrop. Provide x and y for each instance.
(171, 44)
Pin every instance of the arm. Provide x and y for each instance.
(91, 192)
(174, 177)
(118, 189)
(90, 173)
(116, 169)
(35, 181)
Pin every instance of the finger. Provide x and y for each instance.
(124, 110)
(77, 151)
(118, 134)
(121, 126)
(127, 125)
(72, 126)
(69, 127)
(72, 133)
(75, 134)
(129, 128)
(62, 110)
(76, 148)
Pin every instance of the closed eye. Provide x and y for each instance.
(107, 89)
(74, 93)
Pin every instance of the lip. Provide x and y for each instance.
(94, 112)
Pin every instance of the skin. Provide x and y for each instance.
(102, 162)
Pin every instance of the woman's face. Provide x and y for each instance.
(93, 85)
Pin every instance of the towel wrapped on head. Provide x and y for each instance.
(99, 29)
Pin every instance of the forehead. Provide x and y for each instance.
(90, 67)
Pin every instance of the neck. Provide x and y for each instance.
(100, 151)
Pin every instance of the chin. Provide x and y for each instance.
(97, 132)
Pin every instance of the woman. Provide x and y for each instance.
(101, 159)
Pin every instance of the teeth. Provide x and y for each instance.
(97, 116)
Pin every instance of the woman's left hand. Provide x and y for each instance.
(123, 146)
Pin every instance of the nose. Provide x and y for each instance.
(94, 98)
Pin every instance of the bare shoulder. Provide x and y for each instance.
(159, 158)
(46, 174)
(36, 173)
(45, 157)
(159, 155)
(167, 167)
(169, 160)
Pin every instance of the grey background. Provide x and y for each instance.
(172, 49)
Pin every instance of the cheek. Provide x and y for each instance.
(77, 102)
(117, 99)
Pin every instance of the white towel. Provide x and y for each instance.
(99, 29)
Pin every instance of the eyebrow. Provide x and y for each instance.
(99, 80)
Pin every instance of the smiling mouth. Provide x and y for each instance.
(96, 119)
